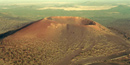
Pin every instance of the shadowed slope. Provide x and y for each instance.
(62, 41)
(13, 31)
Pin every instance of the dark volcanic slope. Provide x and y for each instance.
(62, 41)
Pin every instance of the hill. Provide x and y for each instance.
(10, 22)
(123, 9)
(62, 40)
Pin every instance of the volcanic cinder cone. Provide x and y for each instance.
(62, 40)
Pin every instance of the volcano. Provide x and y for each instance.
(62, 40)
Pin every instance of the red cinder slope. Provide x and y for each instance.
(62, 40)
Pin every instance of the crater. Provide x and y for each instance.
(88, 22)
(71, 20)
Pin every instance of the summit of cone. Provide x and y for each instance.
(50, 26)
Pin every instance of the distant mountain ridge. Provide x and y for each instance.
(125, 9)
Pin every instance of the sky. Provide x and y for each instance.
(39, 0)
(58, 0)
(32, 1)
(20, 1)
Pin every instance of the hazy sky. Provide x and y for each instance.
(39, 0)
(57, 0)
(30, 1)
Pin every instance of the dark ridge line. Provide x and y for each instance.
(125, 35)
(3, 35)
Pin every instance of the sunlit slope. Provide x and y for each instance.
(62, 40)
